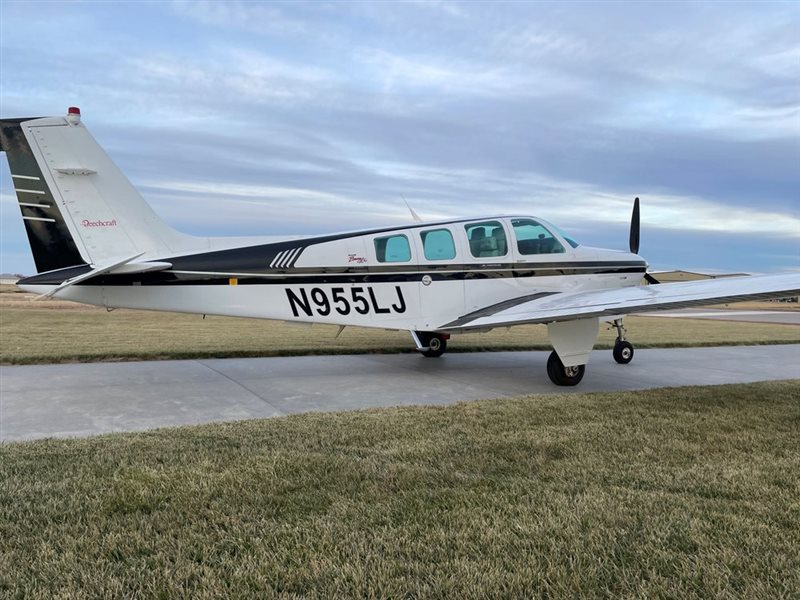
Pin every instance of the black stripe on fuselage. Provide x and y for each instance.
(344, 275)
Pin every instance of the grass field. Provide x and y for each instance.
(682, 493)
(58, 331)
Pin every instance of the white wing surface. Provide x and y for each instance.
(554, 307)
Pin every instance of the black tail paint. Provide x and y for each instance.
(51, 242)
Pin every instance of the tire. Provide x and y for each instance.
(623, 352)
(436, 345)
(561, 375)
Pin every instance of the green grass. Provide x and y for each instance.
(678, 493)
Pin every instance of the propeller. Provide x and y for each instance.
(634, 237)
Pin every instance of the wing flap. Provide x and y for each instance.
(550, 308)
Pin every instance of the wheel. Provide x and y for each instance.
(561, 375)
(436, 345)
(623, 352)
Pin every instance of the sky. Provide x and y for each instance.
(251, 118)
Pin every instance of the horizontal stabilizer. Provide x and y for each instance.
(125, 265)
(140, 267)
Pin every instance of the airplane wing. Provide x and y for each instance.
(568, 306)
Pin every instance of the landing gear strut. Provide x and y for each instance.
(623, 350)
(561, 375)
(431, 345)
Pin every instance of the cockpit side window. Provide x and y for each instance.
(534, 238)
(438, 244)
(392, 249)
(487, 239)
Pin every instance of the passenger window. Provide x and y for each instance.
(438, 244)
(393, 249)
(533, 238)
(486, 239)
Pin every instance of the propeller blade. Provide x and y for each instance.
(634, 237)
(650, 279)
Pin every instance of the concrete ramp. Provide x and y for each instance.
(87, 399)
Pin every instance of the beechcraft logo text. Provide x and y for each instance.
(88, 223)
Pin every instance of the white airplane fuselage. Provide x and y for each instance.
(343, 281)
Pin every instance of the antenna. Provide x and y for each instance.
(414, 215)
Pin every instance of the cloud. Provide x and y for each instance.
(237, 75)
(259, 17)
(395, 73)
(342, 109)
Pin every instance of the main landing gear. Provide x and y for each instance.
(623, 350)
(570, 336)
(561, 375)
(429, 344)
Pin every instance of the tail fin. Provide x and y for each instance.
(77, 205)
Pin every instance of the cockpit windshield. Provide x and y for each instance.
(570, 240)
(534, 237)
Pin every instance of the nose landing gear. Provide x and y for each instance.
(623, 350)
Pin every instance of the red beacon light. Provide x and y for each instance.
(73, 115)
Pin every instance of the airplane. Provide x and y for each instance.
(95, 240)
